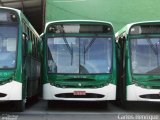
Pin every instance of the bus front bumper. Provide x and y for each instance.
(11, 91)
(137, 93)
(94, 94)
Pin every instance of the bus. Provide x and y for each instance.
(20, 58)
(79, 61)
(139, 59)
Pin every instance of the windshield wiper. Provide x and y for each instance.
(155, 50)
(154, 47)
(70, 49)
(90, 44)
(85, 50)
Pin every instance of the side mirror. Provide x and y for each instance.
(29, 47)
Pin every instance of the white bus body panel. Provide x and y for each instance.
(134, 92)
(13, 91)
(108, 91)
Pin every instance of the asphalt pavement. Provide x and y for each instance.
(83, 111)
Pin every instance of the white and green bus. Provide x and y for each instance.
(19, 58)
(79, 61)
(139, 60)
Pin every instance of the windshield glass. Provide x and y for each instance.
(145, 55)
(8, 45)
(81, 55)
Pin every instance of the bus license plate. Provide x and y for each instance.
(79, 93)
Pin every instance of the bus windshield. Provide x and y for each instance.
(81, 55)
(8, 45)
(145, 55)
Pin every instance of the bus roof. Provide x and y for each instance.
(77, 21)
(125, 29)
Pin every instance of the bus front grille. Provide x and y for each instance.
(71, 95)
(150, 96)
